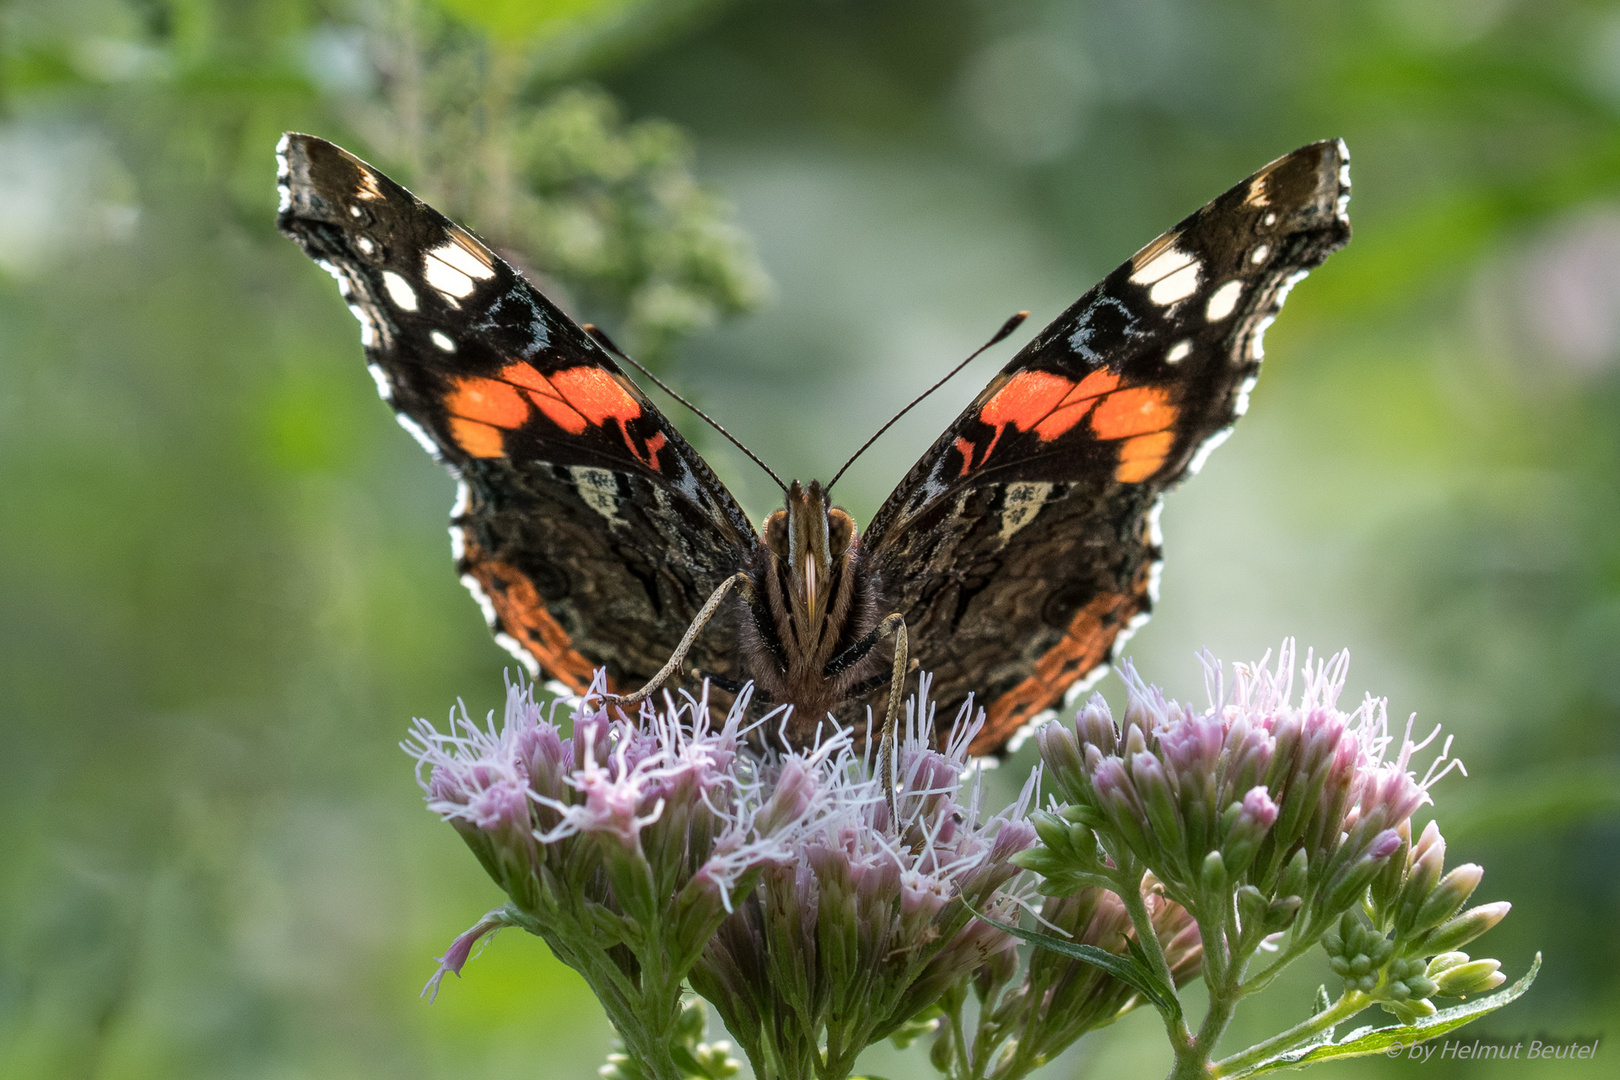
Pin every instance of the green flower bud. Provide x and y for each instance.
(1281, 913)
(1445, 962)
(1213, 874)
(1251, 906)
(1466, 927)
(1295, 875)
(1448, 897)
(1473, 977)
(1409, 1012)
(1408, 979)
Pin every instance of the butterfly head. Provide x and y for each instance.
(810, 543)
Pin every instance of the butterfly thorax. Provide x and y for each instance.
(815, 596)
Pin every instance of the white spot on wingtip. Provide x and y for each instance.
(283, 198)
(1162, 265)
(1155, 574)
(1270, 218)
(418, 433)
(450, 282)
(1178, 286)
(1201, 455)
(1223, 301)
(458, 542)
(1179, 351)
(399, 290)
(463, 500)
(355, 211)
(1258, 255)
(442, 340)
(1155, 535)
(1172, 275)
(365, 245)
(455, 254)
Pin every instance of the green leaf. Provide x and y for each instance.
(1127, 969)
(1365, 1041)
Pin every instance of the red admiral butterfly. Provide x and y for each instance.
(1015, 556)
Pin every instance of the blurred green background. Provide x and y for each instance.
(224, 581)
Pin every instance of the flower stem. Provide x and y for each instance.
(1130, 893)
(1352, 1002)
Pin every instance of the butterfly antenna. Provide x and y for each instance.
(600, 337)
(1006, 328)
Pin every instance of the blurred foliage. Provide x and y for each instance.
(223, 584)
(607, 216)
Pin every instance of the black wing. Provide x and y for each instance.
(587, 528)
(1024, 544)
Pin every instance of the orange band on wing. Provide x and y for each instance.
(522, 614)
(478, 439)
(488, 401)
(573, 399)
(1048, 404)
(596, 394)
(1140, 457)
(1136, 410)
(1090, 635)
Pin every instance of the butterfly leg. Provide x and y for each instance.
(630, 701)
(888, 758)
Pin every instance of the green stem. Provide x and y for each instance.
(1352, 1002)
(1129, 890)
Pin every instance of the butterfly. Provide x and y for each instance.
(1012, 561)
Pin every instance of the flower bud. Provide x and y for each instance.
(1445, 962)
(1448, 897)
(1295, 875)
(1347, 886)
(1212, 875)
(1407, 979)
(1473, 977)
(1281, 913)
(1423, 874)
(1095, 725)
(1466, 927)
(1251, 912)
(1060, 750)
(1256, 815)
(1410, 1012)
(1162, 813)
(1118, 799)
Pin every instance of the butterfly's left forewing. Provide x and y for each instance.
(587, 527)
(1024, 544)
